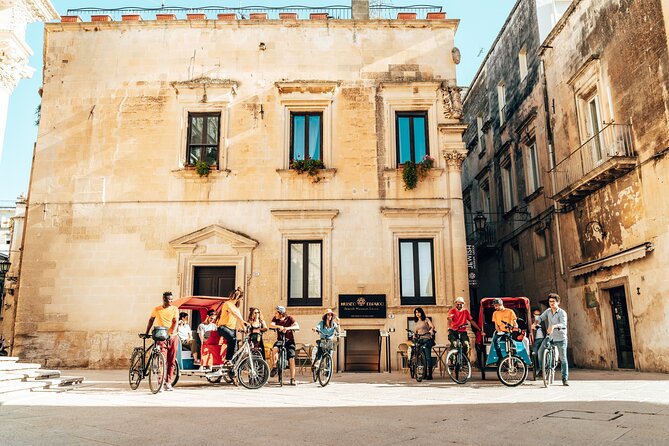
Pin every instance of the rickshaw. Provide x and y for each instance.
(251, 370)
(486, 356)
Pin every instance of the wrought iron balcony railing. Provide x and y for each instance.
(598, 161)
(337, 12)
(487, 238)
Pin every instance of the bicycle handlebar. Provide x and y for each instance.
(144, 335)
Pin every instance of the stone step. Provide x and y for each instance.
(13, 366)
(11, 377)
(17, 386)
(9, 358)
(40, 374)
(63, 381)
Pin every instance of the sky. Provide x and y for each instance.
(480, 22)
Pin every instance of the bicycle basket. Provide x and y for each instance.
(160, 334)
(518, 335)
(327, 344)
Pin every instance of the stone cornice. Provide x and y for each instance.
(307, 86)
(414, 213)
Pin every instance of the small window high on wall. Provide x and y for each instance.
(412, 137)
(306, 136)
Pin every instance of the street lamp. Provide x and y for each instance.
(480, 222)
(4, 267)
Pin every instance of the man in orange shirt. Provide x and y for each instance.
(457, 319)
(166, 315)
(501, 317)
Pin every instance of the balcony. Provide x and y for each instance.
(600, 160)
(485, 239)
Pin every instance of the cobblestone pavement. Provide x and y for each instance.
(600, 407)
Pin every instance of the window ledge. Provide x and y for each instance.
(435, 172)
(322, 174)
(190, 173)
(534, 195)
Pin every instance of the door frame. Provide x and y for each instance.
(603, 288)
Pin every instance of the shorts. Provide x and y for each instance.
(290, 349)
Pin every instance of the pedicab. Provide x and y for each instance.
(247, 367)
(486, 354)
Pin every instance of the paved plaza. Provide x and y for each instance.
(600, 407)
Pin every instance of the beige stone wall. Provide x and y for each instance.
(115, 218)
(631, 78)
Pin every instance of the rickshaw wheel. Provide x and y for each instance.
(177, 373)
(214, 379)
(228, 378)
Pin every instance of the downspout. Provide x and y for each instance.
(551, 160)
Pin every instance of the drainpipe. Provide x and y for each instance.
(360, 9)
(551, 161)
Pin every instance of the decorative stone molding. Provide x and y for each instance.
(313, 87)
(454, 160)
(13, 62)
(451, 101)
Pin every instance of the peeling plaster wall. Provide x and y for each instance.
(629, 41)
(109, 191)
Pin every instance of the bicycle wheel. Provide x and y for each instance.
(325, 370)
(157, 372)
(546, 366)
(421, 366)
(458, 366)
(512, 371)
(412, 366)
(177, 373)
(135, 374)
(253, 372)
(314, 372)
(280, 365)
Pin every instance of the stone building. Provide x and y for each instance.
(117, 213)
(607, 70)
(505, 175)
(15, 15)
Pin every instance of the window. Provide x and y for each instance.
(541, 244)
(593, 119)
(480, 134)
(412, 137)
(417, 272)
(469, 218)
(304, 273)
(533, 179)
(485, 196)
(507, 184)
(306, 135)
(516, 261)
(501, 101)
(203, 137)
(522, 63)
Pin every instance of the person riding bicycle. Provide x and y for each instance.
(257, 326)
(505, 322)
(424, 330)
(556, 320)
(458, 318)
(166, 315)
(284, 324)
(227, 322)
(328, 329)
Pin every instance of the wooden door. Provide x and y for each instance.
(621, 328)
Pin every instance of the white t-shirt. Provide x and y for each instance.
(206, 329)
(184, 332)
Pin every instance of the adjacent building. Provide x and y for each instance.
(567, 142)
(169, 156)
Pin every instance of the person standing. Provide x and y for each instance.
(165, 315)
(228, 320)
(424, 332)
(257, 326)
(285, 324)
(505, 322)
(556, 322)
(457, 329)
(539, 335)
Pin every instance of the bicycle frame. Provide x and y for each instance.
(146, 353)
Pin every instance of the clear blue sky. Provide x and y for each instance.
(481, 20)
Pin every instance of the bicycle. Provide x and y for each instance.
(550, 360)
(323, 371)
(147, 361)
(249, 368)
(417, 359)
(282, 356)
(512, 370)
(457, 363)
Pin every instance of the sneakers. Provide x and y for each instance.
(565, 382)
(168, 387)
(273, 372)
(292, 381)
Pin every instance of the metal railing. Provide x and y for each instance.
(485, 238)
(337, 12)
(613, 141)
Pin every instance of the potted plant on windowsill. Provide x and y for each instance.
(412, 172)
(202, 168)
(308, 165)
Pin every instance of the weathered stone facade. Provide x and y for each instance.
(517, 251)
(610, 58)
(116, 216)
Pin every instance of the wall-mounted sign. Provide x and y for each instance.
(362, 306)
(471, 265)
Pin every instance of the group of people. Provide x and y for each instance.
(552, 322)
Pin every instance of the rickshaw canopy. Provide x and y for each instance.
(520, 305)
(201, 303)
